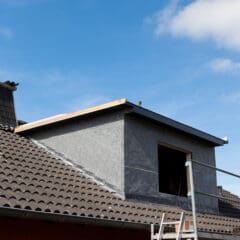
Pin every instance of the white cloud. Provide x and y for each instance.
(6, 32)
(224, 65)
(218, 20)
(163, 17)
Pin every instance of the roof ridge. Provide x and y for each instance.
(229, 192)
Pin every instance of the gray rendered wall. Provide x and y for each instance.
(141, 163)
(95, 143)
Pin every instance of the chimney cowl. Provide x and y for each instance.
(9, 85)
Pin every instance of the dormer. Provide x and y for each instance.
(139, 153)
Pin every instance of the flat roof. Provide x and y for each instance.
(133, 109)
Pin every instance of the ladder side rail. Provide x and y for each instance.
(180, 227)
(160, 232)
(152, 231)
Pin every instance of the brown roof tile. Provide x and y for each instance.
(33, 179)
(230, 206)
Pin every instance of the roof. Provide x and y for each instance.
(34, 180)
(68, 116)
(140, 111)
(229, 204)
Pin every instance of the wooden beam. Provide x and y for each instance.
(62, 117)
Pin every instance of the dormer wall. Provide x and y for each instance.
(93, 143)
(142, 139)
(121, 149)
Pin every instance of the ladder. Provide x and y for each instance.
(178, 234)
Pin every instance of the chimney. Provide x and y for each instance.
(7, 109)
(220, 190)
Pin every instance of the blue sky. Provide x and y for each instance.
(181, 58)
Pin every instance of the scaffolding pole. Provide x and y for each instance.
(217, 169)
(191, 193)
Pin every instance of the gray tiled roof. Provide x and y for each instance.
(33, 179)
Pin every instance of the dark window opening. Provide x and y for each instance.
(172, 171)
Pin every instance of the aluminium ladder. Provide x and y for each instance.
(178, 234)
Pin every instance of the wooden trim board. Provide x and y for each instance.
(62, 117)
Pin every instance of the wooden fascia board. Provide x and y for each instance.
(63, 117)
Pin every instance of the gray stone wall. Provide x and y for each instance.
(141, 163)
(94, 143)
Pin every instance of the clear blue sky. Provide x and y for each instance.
(177, 57)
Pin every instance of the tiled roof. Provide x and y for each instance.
(230, 206)
(33, 179)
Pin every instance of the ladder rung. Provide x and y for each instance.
(171, 223)
(179, 232)
(188, 231)
(173, 235)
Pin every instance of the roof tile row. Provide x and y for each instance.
(33, 179)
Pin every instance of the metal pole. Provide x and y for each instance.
(215, 168)
(191, 194)
(217, 196)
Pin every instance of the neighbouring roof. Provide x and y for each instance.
(132, 108)
(32, 179)
(230, 206)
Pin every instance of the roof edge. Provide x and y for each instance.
(67, 116)
(58, 217)
(143, 112)
(177, 125)
(30, 214)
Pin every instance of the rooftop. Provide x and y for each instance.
(132, 108)
(35, 181)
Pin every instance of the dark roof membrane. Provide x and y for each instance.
(177, 125)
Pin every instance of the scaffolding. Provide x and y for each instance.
(180, 233)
